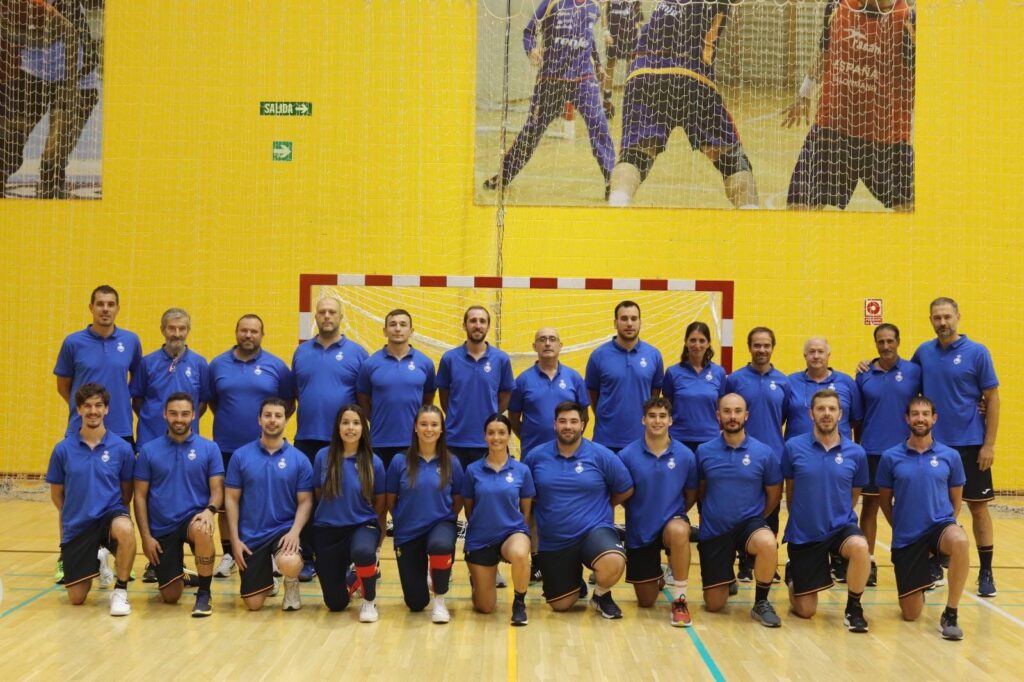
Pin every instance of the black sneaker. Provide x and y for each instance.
(519, 613)
(149, 575)
(583, 589)
(764, 613)
(734, 589)
(776, 578)
(606, 606)
(938, 578)
(745, 574)
(949, 628)
(389, 528)
(203, 608)
(535, 575)
(839, 566)
(873, 575)
(592, 580)
(854, 620)
(986, 583)
(944, 560)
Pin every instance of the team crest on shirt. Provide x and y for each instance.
(188, 372)
(192, 455)
(709, 377)
(832, 386)
(671, 463)
(899, 375)
(561, 384)
(105, 457)
(643, 362)
(281, 463)
(258, 371)
(746, 460)
(934, 461)
(839, 458)
(957, 360)
(120, 348)
(411, 366)
(340, 356)
(509, 477)
(487, 366)
(772, 386)
(579, 467)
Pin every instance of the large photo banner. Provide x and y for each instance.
(51, 103)
(774, 104)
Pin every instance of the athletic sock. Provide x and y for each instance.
(985, 557)
(225, 546)
(853, 599)
(120, 584)
(520, 597)
(950, 611)
(600, 591)
(679, 589)
(761, 591)
(204, 582)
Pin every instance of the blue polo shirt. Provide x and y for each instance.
(91, 478)
(694, 400)
(179, 479)
(920, 484)
(623, 379)
(574, 493)
(349, 508)
(237, 388)
(735, 479)
(86, 357)
(535, 397)
(802, 388)
(270, 483)
(396, 387)
(767, 397)
(495, 495)
(886, 395)
(422, 506)
(473, 387)
(823, 483)
(954, 379)
(658, 488)
(159, 375)
(325, 379)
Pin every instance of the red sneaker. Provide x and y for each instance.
(681, 614)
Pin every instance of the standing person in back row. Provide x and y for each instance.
(621, 374)
(957, 373)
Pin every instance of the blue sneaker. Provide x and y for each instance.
(307, 572)
(986, 583)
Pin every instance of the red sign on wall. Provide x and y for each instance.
(873, 311)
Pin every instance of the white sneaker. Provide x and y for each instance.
(106, 574)
(119, 605)
(226, 568)
(499, 580)
(667, 572)
(368, 612)
(440, 614)
(275, 589)
(291, 601)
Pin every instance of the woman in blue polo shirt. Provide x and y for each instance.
(423, 495)
(498, 493)
(348, 484)
(694, 387)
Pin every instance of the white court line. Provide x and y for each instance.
(981, 600)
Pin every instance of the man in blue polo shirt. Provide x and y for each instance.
(621, 374)
(664, 473)
(540, 388)
(325, 369)
(818, 376)
(886, 388)
(740, 484)
(179, 486)
(474, 381)
(90, 477)
(174, 367)
(957, 373)
(920, 487)
(240, 379)
(766, 392)
(392, 385)
(578, 484)
(268, 493)
(824, 473)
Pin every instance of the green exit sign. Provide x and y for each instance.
(286, 108)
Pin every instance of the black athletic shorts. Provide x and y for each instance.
(718, 554)
(259, 574)
(910, 563)
(978, 487)
(563, 568)
(809, 570)
(643, 564)
(490, 555)
(172, 559)
(871, 489)
(79, 553)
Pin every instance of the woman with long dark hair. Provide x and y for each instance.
(694, 387)
(424, 498)
(498, 493)
(348, 484)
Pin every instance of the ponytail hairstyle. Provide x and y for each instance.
(704, 331)
(412, 455)
(332, 486)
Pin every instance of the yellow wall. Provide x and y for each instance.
(195, 214)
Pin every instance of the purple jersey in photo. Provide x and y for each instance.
(566, 28)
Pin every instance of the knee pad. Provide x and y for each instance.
(639, 158)
(732, 161)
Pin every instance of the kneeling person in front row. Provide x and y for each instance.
(578, 484)
(740, 484)
(824, 474)
(179, 485)
(664, 473)
(920, 488)
(269, 497)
